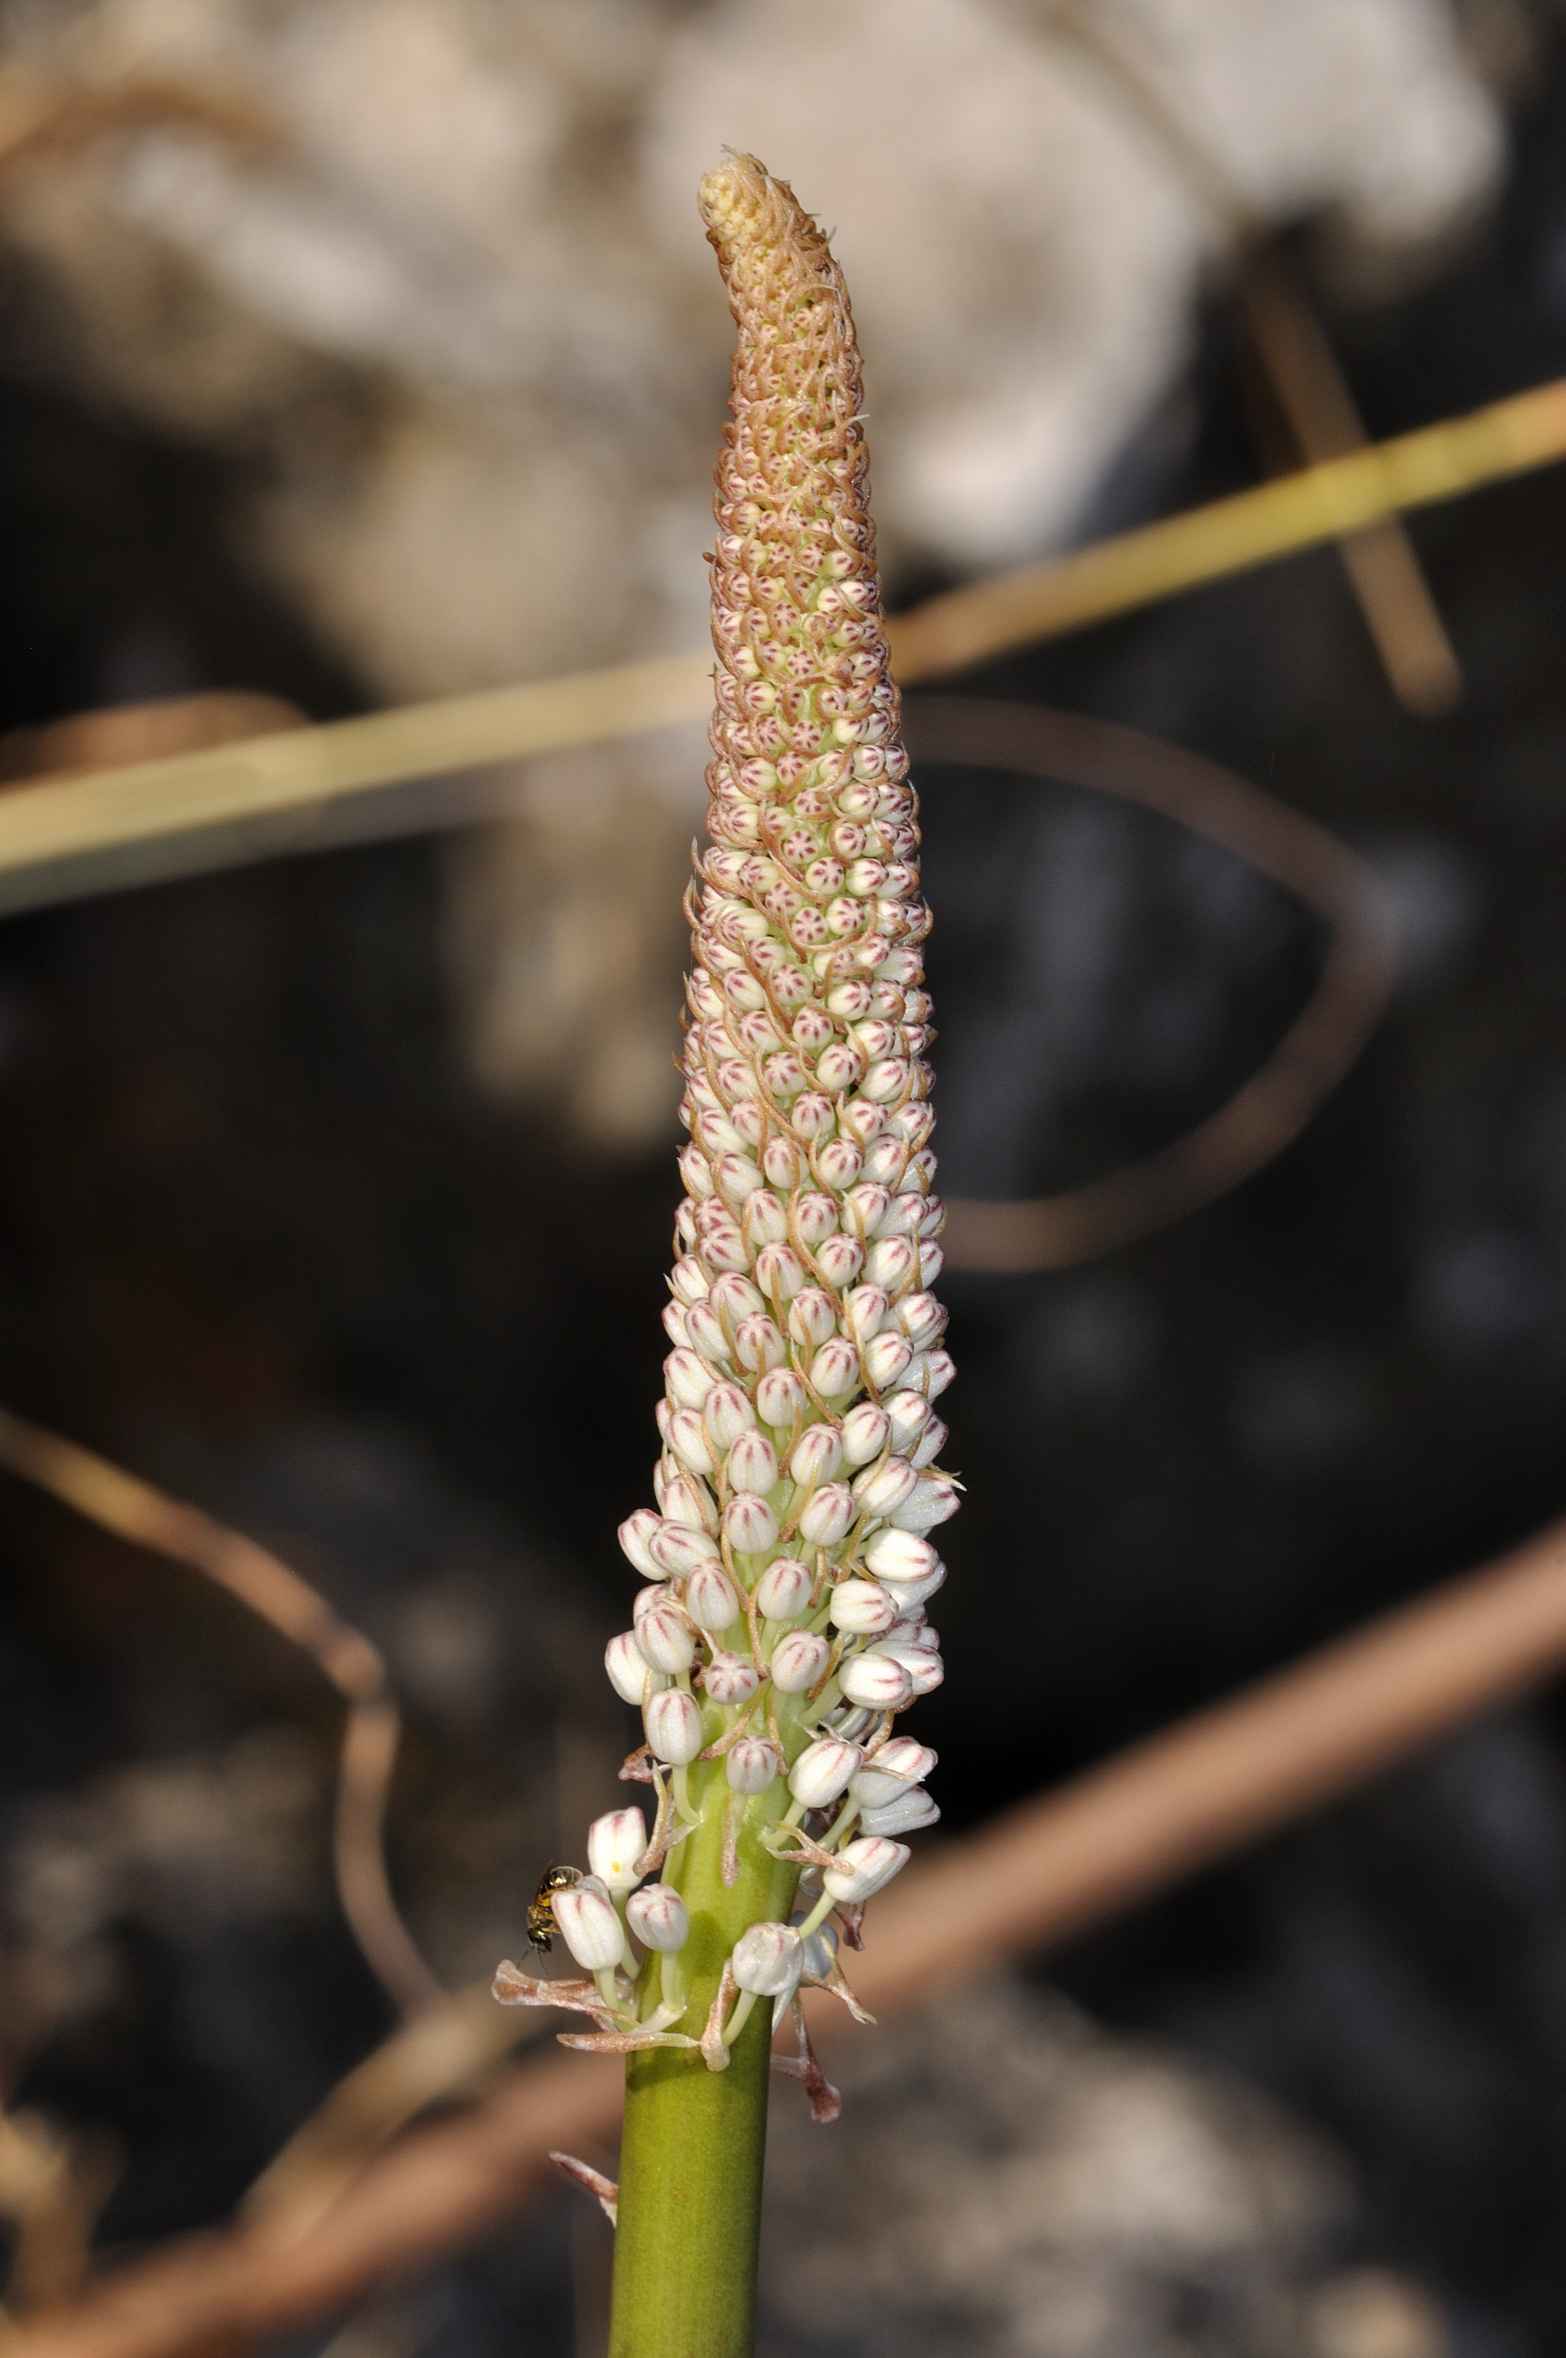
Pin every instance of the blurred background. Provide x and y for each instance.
(357, 352)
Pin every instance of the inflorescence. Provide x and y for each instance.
(788, 1565)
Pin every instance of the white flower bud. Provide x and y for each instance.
(918, 1592)
(838, 1163)
(673, 1724)
(873, 1679)
(840, 1260)
(635, 1539)
(733, 1297)
(886, 1079)
(923, 1664)
(687, 1438)
(758, 1344)
(897, 1765)
(865, 1310)
(900, 1555)
(811, 1117)
(784, 1589)
(614, 1844)
(936, 1373)
(679, 1551)
(815, 1217)
(725, 1418)
(710, 1599)
(905, 1815)
(823, 1771)
(590, 1926)
(727, 1414)
(767, 1959)
(782, 1163)
(667, 1639)
(688, 1379)
(887, 1357)
(934, 1501)
(657, 1915)
(812, 1318)
(752, 1764)
(628, 1667)
(885, 1160)
(863, 1608)
(765, 1224)
(864, 1867)
(867, 1205)
(695, 1175)
(931, 1262)
(882, 1489)
(781, 1399)
(910, 1413)
(780, 1271)
(684, 1499)
(704, 1330)
(749, 1524)
(866, 1430)
(890, 1262)
(752, 1464)
(834, 1371)
(929, 1444)
(729, 1679)
(816, 1456)
(688, 1280)
(649, 1600)
(827, 1515)
(922, 1319)
(798, 1660)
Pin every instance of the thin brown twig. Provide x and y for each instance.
(1398, 605)
(146, 1517)
(51, 2191)
(1311, 389)
(1318, 1048)
(1184, 1799)
(1220, 1780)
(442, 2053)
(40, 119)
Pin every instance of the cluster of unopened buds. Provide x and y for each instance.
(789, 1565)
(791, 1674)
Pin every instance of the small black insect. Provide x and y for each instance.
(541, 1908)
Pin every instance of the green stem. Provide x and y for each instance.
(691, 2150)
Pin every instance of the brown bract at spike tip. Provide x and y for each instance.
(753, 220)
(792, 507)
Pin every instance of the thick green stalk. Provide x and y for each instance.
(692, 2147)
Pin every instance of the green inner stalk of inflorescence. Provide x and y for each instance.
(694, 2138)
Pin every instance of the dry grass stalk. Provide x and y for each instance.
(286, 792)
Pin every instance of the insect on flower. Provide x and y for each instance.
(541, 1925)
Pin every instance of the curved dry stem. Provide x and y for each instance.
(135, 1511)
(1318, 1048)
(1310, 389)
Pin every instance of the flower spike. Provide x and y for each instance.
(785, 1553)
